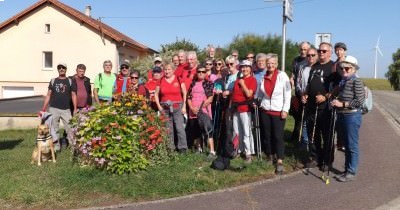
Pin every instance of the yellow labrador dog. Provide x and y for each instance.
(44, 146)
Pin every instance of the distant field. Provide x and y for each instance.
(377, 84)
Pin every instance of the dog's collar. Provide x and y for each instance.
(45, 138)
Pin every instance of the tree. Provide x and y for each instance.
(266, 44)
(393, 75)
(183, 44)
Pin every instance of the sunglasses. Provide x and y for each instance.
(219, 64)
(209, 64)
(61, 67)
(230, 64)
(124, 67)
(201, 72)
(311, 55)
(250, 57)
(346, 68)
(322, 51)
(134, 77)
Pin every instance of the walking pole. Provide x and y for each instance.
(257, 125)
(315, 123)
(332, 138)
(301, 125)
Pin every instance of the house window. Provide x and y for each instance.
(47, 28)
(48, 60)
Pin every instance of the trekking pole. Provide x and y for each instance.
(315, 124)
(331, 148)
(257, 126)
(301, 123)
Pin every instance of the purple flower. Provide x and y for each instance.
(140, 111)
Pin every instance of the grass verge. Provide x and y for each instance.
(377, 84)
(65, 185)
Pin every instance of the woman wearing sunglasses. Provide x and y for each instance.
(243, 94)
(200, 92)
(348, 105)
(135, 87)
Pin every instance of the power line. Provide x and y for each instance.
(199, 14)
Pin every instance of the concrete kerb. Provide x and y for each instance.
(24, 97)
(249, 185)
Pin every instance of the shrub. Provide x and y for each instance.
(121, 137)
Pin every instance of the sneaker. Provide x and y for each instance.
(347, 177)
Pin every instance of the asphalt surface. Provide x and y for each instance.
(376, 186)
(30, 105)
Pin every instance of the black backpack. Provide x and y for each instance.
(221, 163)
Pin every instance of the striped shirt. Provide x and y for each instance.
(352, 92)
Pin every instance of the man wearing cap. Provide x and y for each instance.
(58, 98)
(340, 51)
(104, 84)
(157, 63)
(82, 89)
(123, 81)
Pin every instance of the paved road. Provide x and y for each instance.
(26, 105)
(377, 182)
(389, 102)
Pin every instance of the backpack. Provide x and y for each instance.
(69, 80)
(368, 102)
(221, 163)
(101, 78)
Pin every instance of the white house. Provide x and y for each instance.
(35, 40)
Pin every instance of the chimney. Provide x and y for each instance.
(88, 9)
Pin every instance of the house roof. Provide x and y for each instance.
(97, 25)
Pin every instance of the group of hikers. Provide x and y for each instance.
(234, 108)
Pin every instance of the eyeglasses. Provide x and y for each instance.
(201, 72)
(230, 64)
(209, 64)
(346, 68)
(311, 55)
(134, 77)
(250, 57)
(219, 64)
(124, 67)
(61, 67)
(322, 51)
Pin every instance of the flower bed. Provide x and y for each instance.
(122, 137)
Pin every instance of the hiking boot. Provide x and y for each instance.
(347, 177)
(279, 169)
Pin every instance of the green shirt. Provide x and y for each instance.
(105, 85)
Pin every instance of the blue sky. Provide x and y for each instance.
(358, 23)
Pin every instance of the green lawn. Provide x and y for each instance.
(66, 185)
(377, 84)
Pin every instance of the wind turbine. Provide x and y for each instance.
(377, 50)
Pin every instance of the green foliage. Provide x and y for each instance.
(393, 75)
(123, 137)
(183, 44)
(266, 44)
